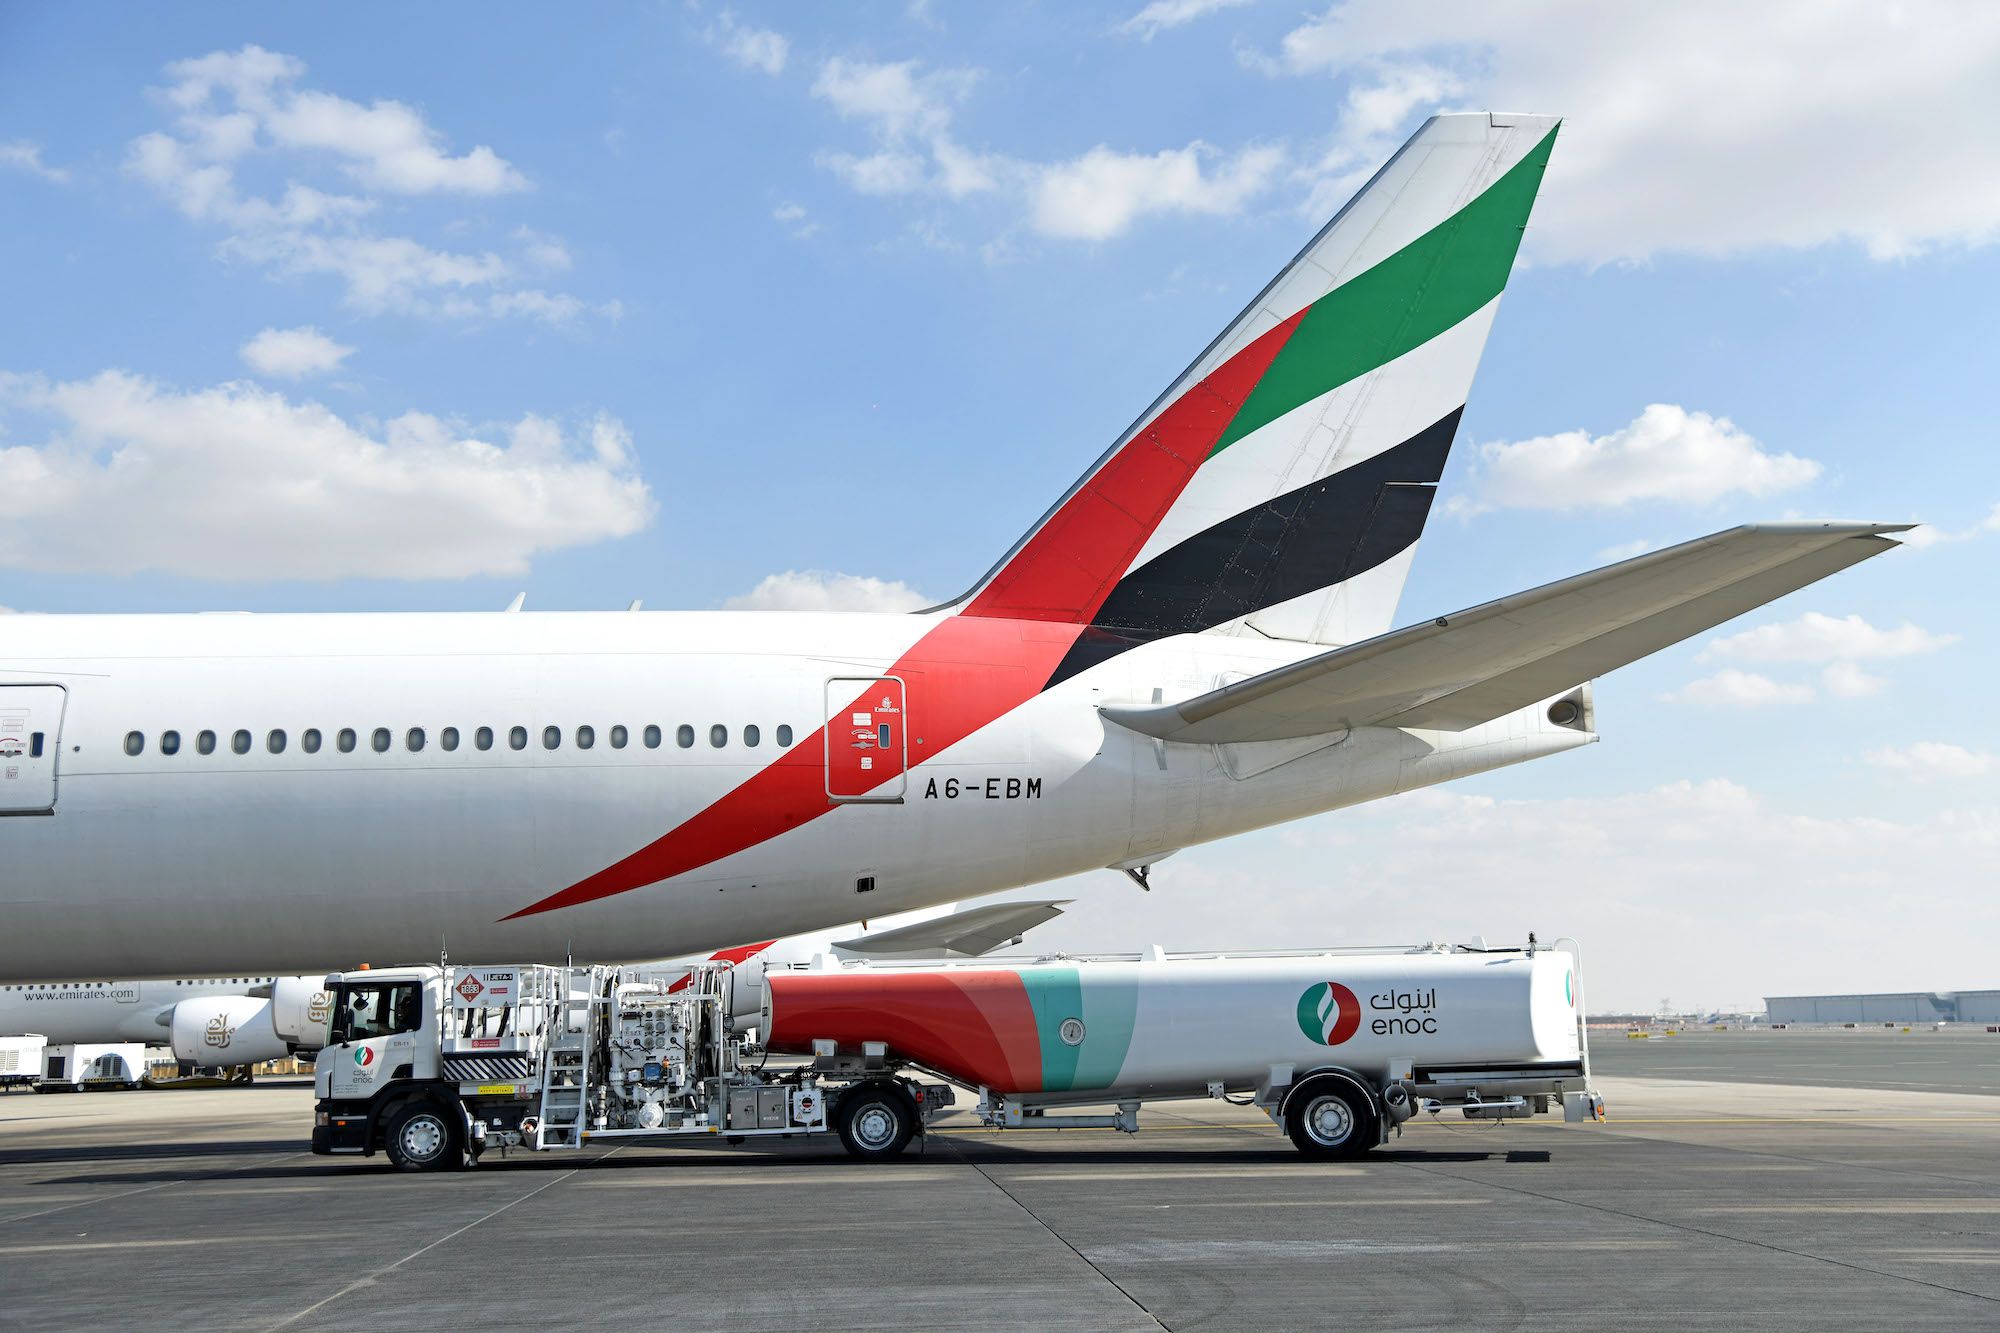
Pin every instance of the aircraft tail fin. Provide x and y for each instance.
(1280, 484)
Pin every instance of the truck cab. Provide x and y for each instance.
(382, 1058)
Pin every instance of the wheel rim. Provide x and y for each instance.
(875, 1126)
(1330, 1121)
(423, 1138)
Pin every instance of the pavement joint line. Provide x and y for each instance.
(1061, 1239)
(126, 1194)
(1703, 1231)
(369, 1278)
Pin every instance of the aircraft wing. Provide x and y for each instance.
(969, 933)
(1461, 670)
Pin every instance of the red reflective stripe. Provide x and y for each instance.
(1069, 566)
(961, 675)
(977, 1027)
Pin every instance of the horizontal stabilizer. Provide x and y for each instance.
(968, 933)
(1461, 670)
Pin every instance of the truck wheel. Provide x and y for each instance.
(876, 1121)
(1330, 1120)
(422, 1137)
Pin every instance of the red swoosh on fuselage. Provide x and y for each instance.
(960, 676)
(995, 654)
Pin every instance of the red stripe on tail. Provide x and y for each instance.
(1069, 565)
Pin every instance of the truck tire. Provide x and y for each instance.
(1330, 1119)
(422, 1136)
(876, 1121)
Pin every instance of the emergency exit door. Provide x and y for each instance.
(866, 749)
(30, 729)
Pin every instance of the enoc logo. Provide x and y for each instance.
(364, 1057)
(1328, 1013)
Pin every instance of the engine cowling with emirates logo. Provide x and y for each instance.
(226, 1030)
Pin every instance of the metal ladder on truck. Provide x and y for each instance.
(566, 1066)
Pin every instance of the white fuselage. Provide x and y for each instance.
(67, 1012)
(276, 859)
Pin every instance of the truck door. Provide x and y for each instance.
(866, 749)
(30, 736)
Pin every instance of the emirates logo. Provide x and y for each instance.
(218, 1033)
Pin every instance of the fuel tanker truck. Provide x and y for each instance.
(436, 1066)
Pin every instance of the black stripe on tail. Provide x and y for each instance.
(1315, 537)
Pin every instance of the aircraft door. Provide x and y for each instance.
(866, 748)
(30, 732)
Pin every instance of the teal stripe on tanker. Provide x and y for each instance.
(1426, 287)
(1105, 1007)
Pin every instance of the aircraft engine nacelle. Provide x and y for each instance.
(300, 1010)
(225, 1030)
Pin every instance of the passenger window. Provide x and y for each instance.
(751, 735)
(585, 737)
(483, 738)
(618, 738)
(784, 735)
(517, 738)
(551, 737)
(413, 739)
(718, 735)
(275, 741)
(684, 737)
(170, 742)
(345, 741)
(239, 741)
(135, 742)
(448, 738)
(309, 740)
(204, 742)
(380, 740)
(652, 738)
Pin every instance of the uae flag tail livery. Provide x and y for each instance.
(1254, 528)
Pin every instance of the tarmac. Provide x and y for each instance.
(1711, 1198)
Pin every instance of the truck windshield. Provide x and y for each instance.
(376, 1009)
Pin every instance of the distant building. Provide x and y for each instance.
(1966, 1006)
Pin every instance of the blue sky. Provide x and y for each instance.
(665, 302)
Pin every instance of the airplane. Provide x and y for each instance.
(208, 1021)
(1195, 641)
(221, 1022)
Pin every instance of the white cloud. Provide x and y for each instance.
(1709, 127)
(1626, 550)
(293, 353)
(795, 219)
(1160, 15)
(1731, 688)
(229, 109)
(1817, 637)
(820, 590)
(230, 103)
(1845, 680)
(1094, 196)
(1100, 194)
(1927, 760)
(24, 156)
(757, 49)
(1665, 454)
(238, 483)
(1707, 892)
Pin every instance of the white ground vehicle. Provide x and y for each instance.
(1339, 1047)
(93, 1067)
(21, 1060)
